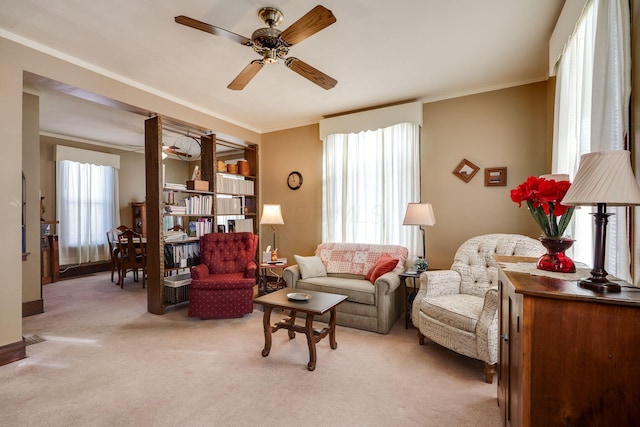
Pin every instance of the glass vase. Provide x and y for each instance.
(555, 258)
(421, 265)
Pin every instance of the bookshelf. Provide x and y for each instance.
(199, 210)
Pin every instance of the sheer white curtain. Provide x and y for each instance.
(369, 178)
(591, 114)
(86, 207)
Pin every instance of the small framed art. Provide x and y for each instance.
(221, 228)
(466, 170)
(495, 177)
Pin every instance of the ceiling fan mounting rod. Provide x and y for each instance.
(271, 16)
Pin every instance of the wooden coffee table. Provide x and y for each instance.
(318, 303)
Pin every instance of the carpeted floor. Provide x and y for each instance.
(98, 358)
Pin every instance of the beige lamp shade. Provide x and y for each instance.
(604, 177)
(419, 214)
(271, 214)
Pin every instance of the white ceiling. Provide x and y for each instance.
(380, 52)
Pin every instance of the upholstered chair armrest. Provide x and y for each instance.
(440, 282)
(435, 283)
(291, 275)
(250, 269)
(388, 282)
(199, 271)
(487, 328)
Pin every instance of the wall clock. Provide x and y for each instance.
(294, 180)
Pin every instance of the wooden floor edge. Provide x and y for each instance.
(12, 352)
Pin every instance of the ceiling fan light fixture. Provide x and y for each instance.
(270, 56)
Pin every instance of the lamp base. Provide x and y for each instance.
(597, 285)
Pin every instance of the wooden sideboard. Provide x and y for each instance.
(568, 356)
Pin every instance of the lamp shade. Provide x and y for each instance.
(271, 214)
(604, 177)
(419, 214)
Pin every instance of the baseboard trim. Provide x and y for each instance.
(30, 308)
(12, 352)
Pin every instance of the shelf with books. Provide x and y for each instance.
(178, 215)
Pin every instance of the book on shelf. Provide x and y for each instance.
(234, 185)
(229, 205)
(200, 227)
(244, 225)
(173, 186)
(175, 253)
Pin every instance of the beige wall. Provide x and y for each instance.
(505, 128)
(31, 290)
(298, 149)
(17, 59)
(11, 212)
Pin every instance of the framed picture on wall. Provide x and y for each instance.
(465, 170)
(495, 177)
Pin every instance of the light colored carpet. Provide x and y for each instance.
(105, 361)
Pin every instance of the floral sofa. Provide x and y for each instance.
(366, 273)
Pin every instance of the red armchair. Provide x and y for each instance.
(222, 284)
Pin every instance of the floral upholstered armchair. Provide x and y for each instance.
(458, 308)
(222, 284)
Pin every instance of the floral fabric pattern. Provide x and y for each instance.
(356, 258)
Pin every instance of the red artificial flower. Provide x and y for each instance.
(543, 198)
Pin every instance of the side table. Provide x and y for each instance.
(408, 297)
(271, 270)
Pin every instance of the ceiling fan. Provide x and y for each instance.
(273, 44)
(176, 151)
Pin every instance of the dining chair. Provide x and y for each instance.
(114, 250)
(112, 240)
(131, 256)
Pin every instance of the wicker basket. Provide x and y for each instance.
(243, 168)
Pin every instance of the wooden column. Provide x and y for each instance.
(155, 249)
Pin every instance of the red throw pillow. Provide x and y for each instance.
(384, 265)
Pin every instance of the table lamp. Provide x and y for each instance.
(420, 214)
(272, 215)
(603, 178)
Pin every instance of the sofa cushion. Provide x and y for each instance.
(358, 290)
(384, 265)
(310, 266)
(460, 311)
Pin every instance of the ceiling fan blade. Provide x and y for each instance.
(216, 31)
(308, 72)
(315, 20)
(172, 149)
(246, 75)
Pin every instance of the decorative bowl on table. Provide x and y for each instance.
(298, 296)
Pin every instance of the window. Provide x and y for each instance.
(86, 207)
(369, 178)
(591, 114)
